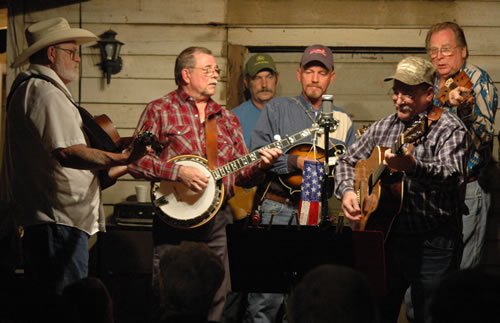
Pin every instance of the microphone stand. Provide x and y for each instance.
(327, 123)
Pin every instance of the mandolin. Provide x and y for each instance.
(293, 181)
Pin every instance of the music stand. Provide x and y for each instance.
(272, 258)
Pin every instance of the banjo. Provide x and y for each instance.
(180, 207)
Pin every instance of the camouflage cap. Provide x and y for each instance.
(413, 71)
(259, 62)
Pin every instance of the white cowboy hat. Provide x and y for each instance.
(49, 32)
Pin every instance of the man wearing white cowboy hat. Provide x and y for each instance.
(50, 167)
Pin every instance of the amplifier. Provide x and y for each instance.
(133, 214)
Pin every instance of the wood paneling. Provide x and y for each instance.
(141, 66)
(184, 12)
(235, 89)
(164, 39)
(139, 11)
(122, 115)
(380, 14)
(136, 91)
(481, 40)
(303, 36)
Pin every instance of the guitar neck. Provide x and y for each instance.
(396, 147)
(254, 156)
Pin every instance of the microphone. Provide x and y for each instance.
(325, 118)
(327, 106)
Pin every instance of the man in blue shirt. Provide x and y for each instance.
(261, 78)
(280, 118)
(285, 116)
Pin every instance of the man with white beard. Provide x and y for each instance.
(49, 168)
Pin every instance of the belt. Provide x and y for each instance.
(279, 199)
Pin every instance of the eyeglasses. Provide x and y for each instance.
(208, 70)
(72, 52)
(405, 97)
(445, 51)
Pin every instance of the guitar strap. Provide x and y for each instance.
(98, 138)
(211, 141)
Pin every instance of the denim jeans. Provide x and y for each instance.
(54, 257)
(419, 261)
(474, 224)
(278, 213)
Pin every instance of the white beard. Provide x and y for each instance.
(66, 74)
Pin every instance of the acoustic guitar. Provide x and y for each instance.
(380, 191)
(103, 135)
(242, 202)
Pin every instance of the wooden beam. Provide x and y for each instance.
(361, 13)
(481, 40)
(235, 85)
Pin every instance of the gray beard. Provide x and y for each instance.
(65, 74)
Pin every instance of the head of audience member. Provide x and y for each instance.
(190, 275)
(332, 293)
(197, 72)
(412, 89)
(447, 48)
(89, 300)
(53, 43)
(316, 73)
(470, 295)
(261, 78)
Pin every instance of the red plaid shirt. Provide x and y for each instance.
(174, 120)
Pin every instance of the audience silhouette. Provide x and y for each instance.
(332, 294)
(89, 300)
(467, 296)
(190, 275)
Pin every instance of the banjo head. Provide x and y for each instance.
(183, 208)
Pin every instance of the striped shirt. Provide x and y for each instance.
(175, 121)
(481, 122)
(433, 191)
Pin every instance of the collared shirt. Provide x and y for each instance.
(481, 126)
(40, 119)
(285, 116)
(174, 119)
(248, 114)
(433, 190)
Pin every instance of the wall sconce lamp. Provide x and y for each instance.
(111, 62)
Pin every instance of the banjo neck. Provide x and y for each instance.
(237, 164)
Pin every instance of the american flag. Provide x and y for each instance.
(310, 200)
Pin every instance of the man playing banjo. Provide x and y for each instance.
(184, 121)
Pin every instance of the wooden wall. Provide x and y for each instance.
(155, 31)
